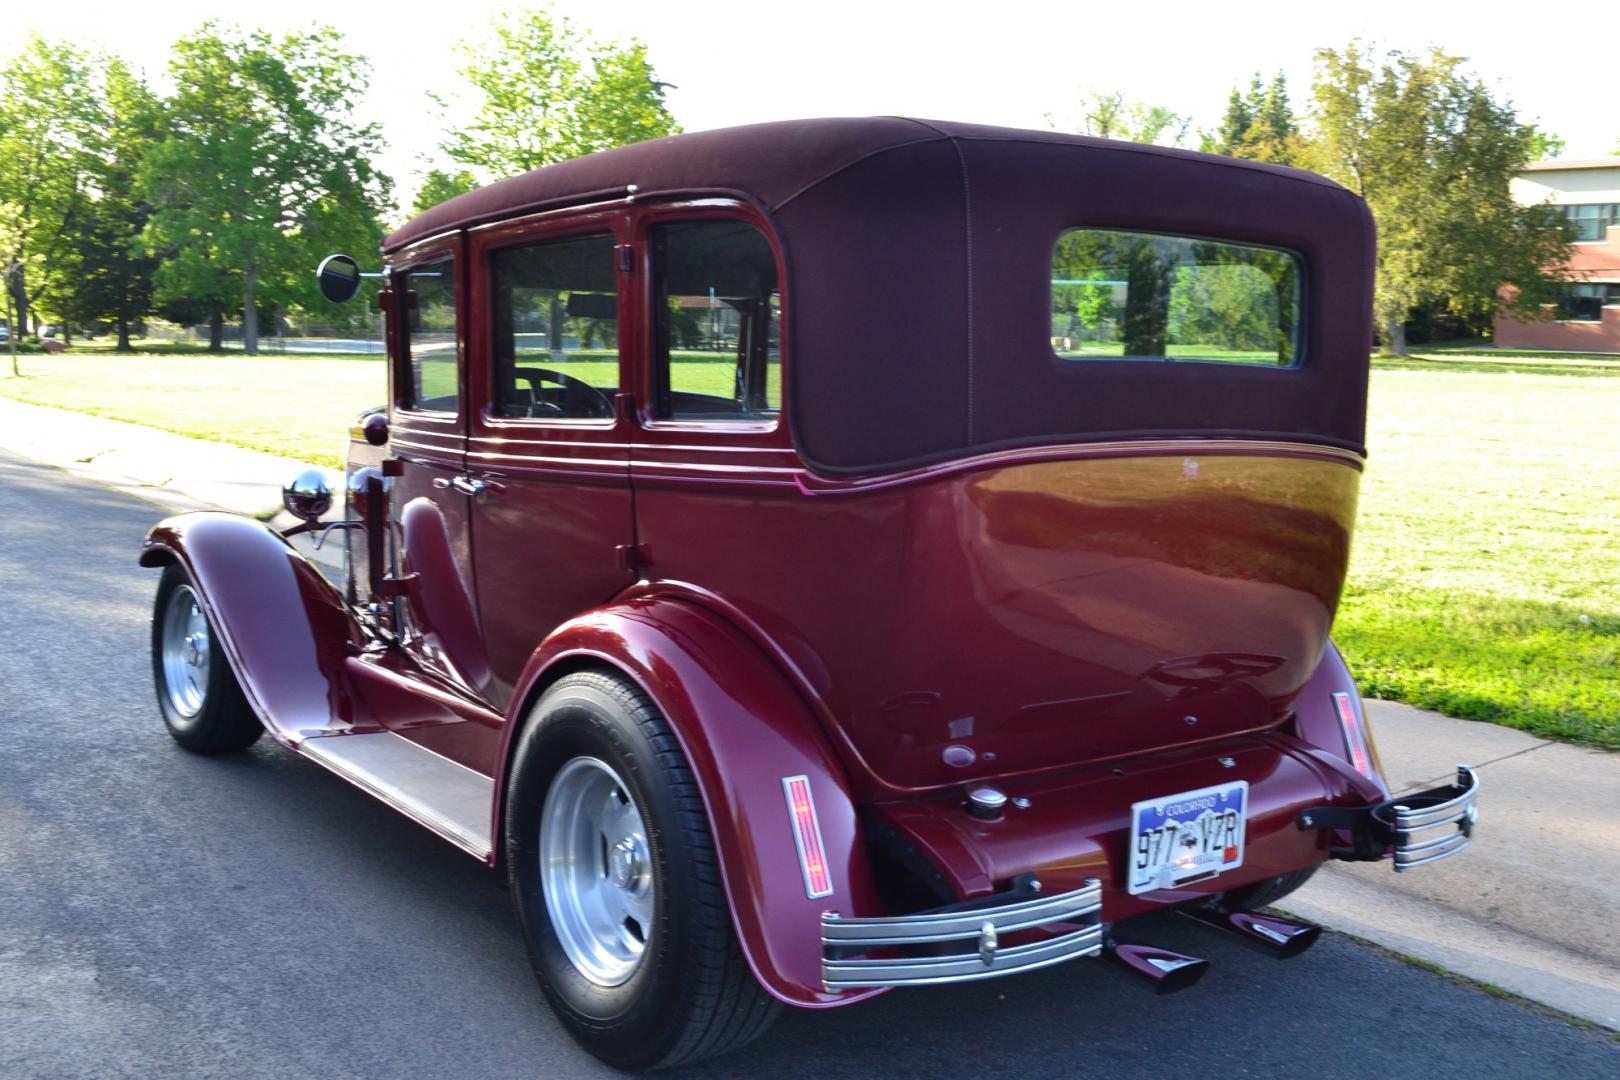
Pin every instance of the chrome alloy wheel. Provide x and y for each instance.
(596, 871)
(185, 646)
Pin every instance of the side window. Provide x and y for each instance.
(429, 302)
(555, 338)
(717, 351)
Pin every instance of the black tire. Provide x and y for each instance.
(1263, 893)
(222, 721)
(691, 995)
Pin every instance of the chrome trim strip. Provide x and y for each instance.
(979, 930)
(949, 926)
(968, 967)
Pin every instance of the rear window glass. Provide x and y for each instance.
(1149, 297)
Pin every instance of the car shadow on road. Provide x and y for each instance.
(1251, 1011)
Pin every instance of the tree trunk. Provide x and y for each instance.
(1395, 339)
(216, 332)
(123, 334)
(250, 312)
(19, 296)
(11, 326)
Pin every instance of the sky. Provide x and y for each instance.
(1009, 62)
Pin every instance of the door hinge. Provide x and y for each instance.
(626, 259)
(633, 558)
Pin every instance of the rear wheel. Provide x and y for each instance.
(613, 870)
(197, 692)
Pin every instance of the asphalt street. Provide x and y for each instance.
(166, 915)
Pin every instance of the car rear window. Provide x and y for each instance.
(1145, 296)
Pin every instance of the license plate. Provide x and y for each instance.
(1191, 835)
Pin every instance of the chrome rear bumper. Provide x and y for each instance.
(1418, 828)
(974, 929)
(1414, 819)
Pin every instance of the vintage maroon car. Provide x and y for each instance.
(820, 557)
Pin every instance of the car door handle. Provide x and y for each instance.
(464, 484)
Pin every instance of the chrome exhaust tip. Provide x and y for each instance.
(1281, 937)
(1166, 971)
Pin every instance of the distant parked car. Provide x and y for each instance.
(821, 557)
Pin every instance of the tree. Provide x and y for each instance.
(1545, 145)
(1112, 116)
(49, 117)
(112, 274)
(1433, 152)
(439, 185)
(1259, 125)
(543, 91)
(260, 170)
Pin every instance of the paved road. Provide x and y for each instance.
(164, 915)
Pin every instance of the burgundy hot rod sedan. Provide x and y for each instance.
(820, 557)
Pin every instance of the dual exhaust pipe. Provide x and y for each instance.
(1168, 972)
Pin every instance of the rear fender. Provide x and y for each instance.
(743, 729)
(283, 627)
(1316, 722)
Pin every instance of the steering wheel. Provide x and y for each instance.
(580, 398)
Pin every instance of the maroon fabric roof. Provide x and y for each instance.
(919, 257)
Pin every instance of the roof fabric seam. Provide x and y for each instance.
(967, 247)
(967, 244)
(845, 166)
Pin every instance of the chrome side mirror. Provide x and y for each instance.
(339, 278)
(307, 496)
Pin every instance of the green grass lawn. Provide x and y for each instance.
(1485, 576)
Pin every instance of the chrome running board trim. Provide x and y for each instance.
(450, 799)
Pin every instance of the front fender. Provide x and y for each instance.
(283, 627)
(743, 729)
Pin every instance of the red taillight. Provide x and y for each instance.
(807, 835)
(1354, 740)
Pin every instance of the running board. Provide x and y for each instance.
(450, 799)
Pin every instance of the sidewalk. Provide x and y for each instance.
(1530, 907)
(1533, 906)
(172, 471)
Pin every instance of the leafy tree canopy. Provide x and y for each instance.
(541, 90)
(1103, 115)
(1432, 152)
(1259, 124)
(51, 133)
(261, 169)
(439, 185)
(112, 274)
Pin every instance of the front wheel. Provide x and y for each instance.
(197, 692)
(614, 874)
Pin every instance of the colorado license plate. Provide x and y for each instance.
(1191, 835)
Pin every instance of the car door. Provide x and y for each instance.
(553, 523)
(428, 499)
